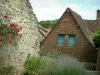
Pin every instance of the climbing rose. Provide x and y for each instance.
(1, 38)
(19, 29)
(11, 27)
(10, 41)
(20, 35)
(16, 24)
(11, 30)
(5, 16)
(11, 24)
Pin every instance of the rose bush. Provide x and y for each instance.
(8, 30)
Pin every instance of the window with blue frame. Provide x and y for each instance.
(61, 39)
(71, 40)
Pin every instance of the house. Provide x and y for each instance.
(43, 31)
(73, 35)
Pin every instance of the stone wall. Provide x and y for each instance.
(20, 12)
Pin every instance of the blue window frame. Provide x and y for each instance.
(71, 40)
(61, 39)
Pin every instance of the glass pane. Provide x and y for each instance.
(61, 39)
(71, 40)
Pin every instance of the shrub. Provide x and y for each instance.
(7, 71)
(61, 65)
(96, 39)
(65, 65)
(33, 66)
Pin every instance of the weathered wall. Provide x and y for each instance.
(98, 60)
(20, 12)
(82, 49)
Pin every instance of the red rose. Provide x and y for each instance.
(19, 29)
(12, 30)
(10, 27)
(5, 16)
(20, 35)
(11, 24)
(1, 38)
(10, 41)
(16, 24)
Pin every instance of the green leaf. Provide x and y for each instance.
(15, 42)
(6, 20)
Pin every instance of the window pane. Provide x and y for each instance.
(61, 39)
(71, 40)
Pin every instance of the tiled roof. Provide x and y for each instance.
(44, 32)
(93, 25)
(83, 25)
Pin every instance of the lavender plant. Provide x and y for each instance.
(65, 65)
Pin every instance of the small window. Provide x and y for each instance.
(61, 39)
(71, 40)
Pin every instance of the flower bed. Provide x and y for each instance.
(62, 65)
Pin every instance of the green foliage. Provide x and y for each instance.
(7, 71)
(96, 39)
(67, 71)
(41, 42)
(34, 65)
(64, 65)
(48, 23)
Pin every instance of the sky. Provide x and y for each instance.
(53, 9)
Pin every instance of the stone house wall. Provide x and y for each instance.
(20, 12)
